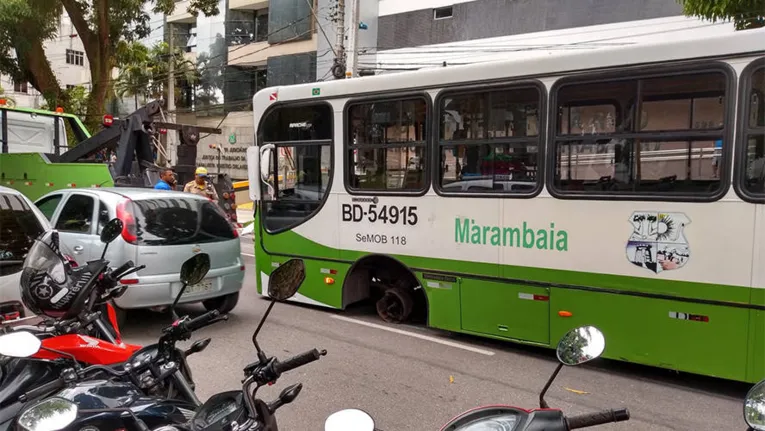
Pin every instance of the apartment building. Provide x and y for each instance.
(398, 35)
(68, 61)
(249, 45)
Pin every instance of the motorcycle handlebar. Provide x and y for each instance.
(125, 266)
(42, 390)
(298, 361)
(597, 418)
(202, 321)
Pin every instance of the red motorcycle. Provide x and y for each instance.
(93, 336)
(578, 346)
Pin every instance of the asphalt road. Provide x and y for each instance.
(419, 379)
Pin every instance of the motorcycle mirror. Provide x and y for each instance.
(284, 281)
(110, 232)
(754, 407)
(578, 346)
(581, 345)
(19, 344)
(349, 420)
(51, 414)
(193, 271)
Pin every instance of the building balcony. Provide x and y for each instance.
(247, 4)
(180, 14)
(256, 54)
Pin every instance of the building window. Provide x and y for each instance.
(443, 12)
(247, 26)
(241, 84)
(261, 25)
(20, 87)
(489, 141)
(76, 58)
(387, 145)
(753, 167)
(660, 136)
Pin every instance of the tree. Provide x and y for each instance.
(745, 14)
(145, 72)
(25, 25)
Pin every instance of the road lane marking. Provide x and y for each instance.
(414, 335)
(248, 254)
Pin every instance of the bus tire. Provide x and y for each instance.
(396, 305)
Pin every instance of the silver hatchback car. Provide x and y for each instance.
(162, 229)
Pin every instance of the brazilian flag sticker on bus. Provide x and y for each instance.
(658, 241)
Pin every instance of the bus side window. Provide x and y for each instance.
(489, 140)
(647, 141)
(388, 145)
(752, 173)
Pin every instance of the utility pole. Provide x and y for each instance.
(170, 148)
(338, 69)
(351, 69)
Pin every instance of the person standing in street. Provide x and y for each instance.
(202, 186)
(166, 180)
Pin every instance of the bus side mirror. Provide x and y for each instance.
(253, 172)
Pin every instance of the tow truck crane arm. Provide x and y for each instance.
(132, 138)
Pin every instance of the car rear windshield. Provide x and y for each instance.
(18, 229)
(179, 221)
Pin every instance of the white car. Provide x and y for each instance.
(162, 230)
(20, 224)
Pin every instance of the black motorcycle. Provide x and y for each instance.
(141, 381)
(117, 405)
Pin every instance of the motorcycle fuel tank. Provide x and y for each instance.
(105, 394)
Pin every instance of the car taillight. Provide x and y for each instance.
(235, 230)
(126, 215)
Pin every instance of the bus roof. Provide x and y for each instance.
(740, 43)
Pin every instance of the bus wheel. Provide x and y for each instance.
(396, 305)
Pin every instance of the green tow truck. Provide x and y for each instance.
(37, 157)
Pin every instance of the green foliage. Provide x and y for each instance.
(145, 71)
(102, 25)
(77, 101)
(745, 14)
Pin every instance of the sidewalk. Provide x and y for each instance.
(244, 216)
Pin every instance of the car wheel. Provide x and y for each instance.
(224, 304)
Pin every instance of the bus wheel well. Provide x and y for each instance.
(393, 287)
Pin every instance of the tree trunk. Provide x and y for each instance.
(32, 58)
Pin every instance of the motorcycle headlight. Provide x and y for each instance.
(52, 414)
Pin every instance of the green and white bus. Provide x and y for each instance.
(619, 187)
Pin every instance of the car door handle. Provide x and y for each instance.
(78, 249)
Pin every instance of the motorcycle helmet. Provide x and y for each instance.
(50, 286)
